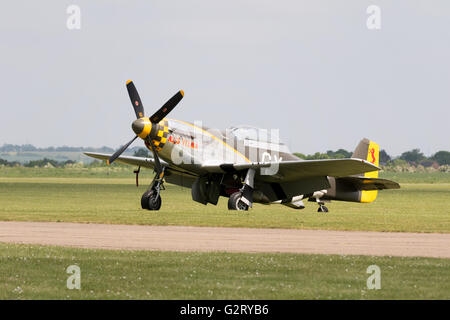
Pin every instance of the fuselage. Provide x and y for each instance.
(189, 146)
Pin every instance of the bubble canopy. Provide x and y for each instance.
(265, 136)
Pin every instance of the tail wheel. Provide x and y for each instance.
(235, 202)
(151, 200)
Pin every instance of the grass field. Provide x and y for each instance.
(108, 195)
(414, 208)
(39, 272)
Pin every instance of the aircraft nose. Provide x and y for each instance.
(142, 127)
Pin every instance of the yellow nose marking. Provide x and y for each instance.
(146, 131)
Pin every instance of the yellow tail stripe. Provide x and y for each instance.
(373, 157)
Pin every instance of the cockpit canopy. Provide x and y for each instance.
(253, 136)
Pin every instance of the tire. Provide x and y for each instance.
(154, 202)
(144, 200)
(149, 202)
(322, 209)
(235, 202)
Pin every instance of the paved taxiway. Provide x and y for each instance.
(183, 238)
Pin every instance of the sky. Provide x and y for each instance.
(312, 69)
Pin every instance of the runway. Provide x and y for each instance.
(204, 239)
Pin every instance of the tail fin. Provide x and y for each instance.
(368, 150)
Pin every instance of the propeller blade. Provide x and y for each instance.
(120, 151)
(135, 99)
(158, 166)
(167, 107)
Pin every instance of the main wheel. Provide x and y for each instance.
(150, 200)
(144, 199)
(322, 208)
(235, 202)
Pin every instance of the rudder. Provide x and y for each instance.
(370, 151)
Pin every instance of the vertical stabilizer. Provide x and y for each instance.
(368, 150)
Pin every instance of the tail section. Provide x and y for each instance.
(364, 187)
(368, 150)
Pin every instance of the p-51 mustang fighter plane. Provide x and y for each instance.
(243, 164)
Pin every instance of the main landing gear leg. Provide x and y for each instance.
(243, 199)
(151, 199)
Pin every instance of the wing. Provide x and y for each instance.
(173, 175)
(363, 183)
(140, 161)
(137, 161)
(299, 169)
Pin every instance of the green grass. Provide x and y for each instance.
(39, 272)
(417, 177)
(114, 171)
(414, 208)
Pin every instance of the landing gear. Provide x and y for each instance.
(243, 199)
(151, 200)
(317, 197)
(235, 202)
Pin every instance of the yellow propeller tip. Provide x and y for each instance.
(128, 81)
(107, 162)
(182, 92)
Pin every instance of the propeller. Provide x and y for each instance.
(167, 107)
(120, 151)
(143, 126)
(135, 99)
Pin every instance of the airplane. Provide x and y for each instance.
(242, 164)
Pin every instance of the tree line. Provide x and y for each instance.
(30, 148)
(412, 157)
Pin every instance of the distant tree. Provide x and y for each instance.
(300, 155)
(384, 157)
(68, 149)
(27, 148)
(9, 148)
(427, 163)
(442, 157)
(141, 152)
(105, 149)
(9, 163)
(317, 156)
(42, 163)
(413, 156)
(345, 153)
(339, 154)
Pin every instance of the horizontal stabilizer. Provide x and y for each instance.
(365, 183)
